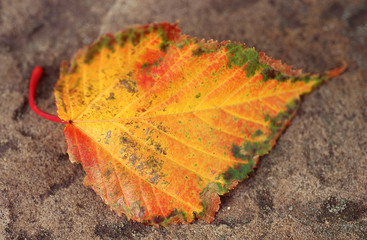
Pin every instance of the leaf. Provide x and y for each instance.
(163, 123)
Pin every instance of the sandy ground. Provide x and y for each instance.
(313, 185)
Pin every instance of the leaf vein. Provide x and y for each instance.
(216, 88)
(244, 118)
(214, 127)
(195, 78)
(114, 81)
(148, 93)
(137, 175)
(191, 146)
(168, 158)
(182, 113)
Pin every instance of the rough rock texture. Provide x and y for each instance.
(313, 185)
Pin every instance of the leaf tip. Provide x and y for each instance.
(336, 71)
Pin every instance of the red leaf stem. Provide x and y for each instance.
(36, 74)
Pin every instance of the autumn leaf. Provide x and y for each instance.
(163, 123)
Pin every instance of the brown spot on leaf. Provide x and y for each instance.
(111, 97)
(158, 219)
(129, 85)
(108, 137)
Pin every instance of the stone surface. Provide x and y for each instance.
(313, 185)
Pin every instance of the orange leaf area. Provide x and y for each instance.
(163, 124)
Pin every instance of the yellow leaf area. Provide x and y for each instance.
(163, 124)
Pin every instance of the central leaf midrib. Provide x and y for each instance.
(189, 112)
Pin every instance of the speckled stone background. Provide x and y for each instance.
(313, 185)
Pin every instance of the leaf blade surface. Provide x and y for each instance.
(163, 123)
